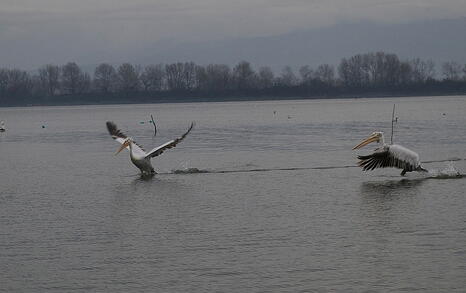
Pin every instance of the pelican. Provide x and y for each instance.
(138, 155)
(388, 155)
(2, 126)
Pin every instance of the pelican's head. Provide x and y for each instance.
(376, 136)
(126, 143)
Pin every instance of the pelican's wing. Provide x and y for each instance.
(390, 156)
(168, 145)
(119, 136)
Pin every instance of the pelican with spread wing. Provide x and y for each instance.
(138, 155)
(388, 155)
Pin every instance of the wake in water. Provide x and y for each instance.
(190, 171)
(448, 172)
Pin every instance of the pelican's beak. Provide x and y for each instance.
(123, 146)
(367, 141)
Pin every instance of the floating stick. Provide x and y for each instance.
(393, 121)
(153, 123)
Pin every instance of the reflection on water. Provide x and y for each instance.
(390, 187)
(145, 177)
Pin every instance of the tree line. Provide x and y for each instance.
(375, 73)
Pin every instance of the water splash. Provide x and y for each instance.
(185, 169)
(448, 172)
(189, 171)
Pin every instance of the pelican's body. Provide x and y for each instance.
(2, 126)
(386, 155)
(138, 155)
(140, 161)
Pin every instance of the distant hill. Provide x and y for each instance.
(439, 40)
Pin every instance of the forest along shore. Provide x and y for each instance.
(377, 74)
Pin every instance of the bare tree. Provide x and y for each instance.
(152, 78)
(381, 69)
(325, 73)
(213, 77)
(287, 77)
(175, 76)
(405, 74)
(244, 76)
(201, 78)
(353, 71)
(219, 76)
(391, 69)
(128, 78)
(422, 70)
(266, 77)
(189, 75)
(49, 77)
(307, 74)
(73, 80)
(105, 78)
(85, 83)
(19, 83)
(3, 81)
(451, 70)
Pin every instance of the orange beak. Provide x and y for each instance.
(367, 141)
(123, 146)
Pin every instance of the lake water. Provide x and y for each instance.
(76, 218)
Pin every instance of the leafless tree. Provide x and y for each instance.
(49, 77)
(287, 77)
(244, 76)
(3, 81)
(152, 78)
(451, 70)
(371, 69)
(128, 78)
(307, 74)
(105, 78)
(422, 70)
(189, 75)
(19, 82)
(266, 77)
(381, 69)
(353, 71)
(325, 73)
(213, 77)
(73, 80)
(219, 76)
(405, 74)
(175, 76)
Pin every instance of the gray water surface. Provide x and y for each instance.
(74, 217)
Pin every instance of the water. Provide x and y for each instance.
(251, 201)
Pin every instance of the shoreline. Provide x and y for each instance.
(224, 99)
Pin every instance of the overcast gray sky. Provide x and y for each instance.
(36, 32)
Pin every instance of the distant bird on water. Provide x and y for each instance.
(2, 126)
(138, 155)
(388, 155)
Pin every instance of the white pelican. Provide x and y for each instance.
(2, 126)
(138, 155)
(386, 155)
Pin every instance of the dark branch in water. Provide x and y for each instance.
(153, 123)
(393, 121)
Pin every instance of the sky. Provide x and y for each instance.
(37, 32)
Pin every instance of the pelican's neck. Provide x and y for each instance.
(131, 148)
